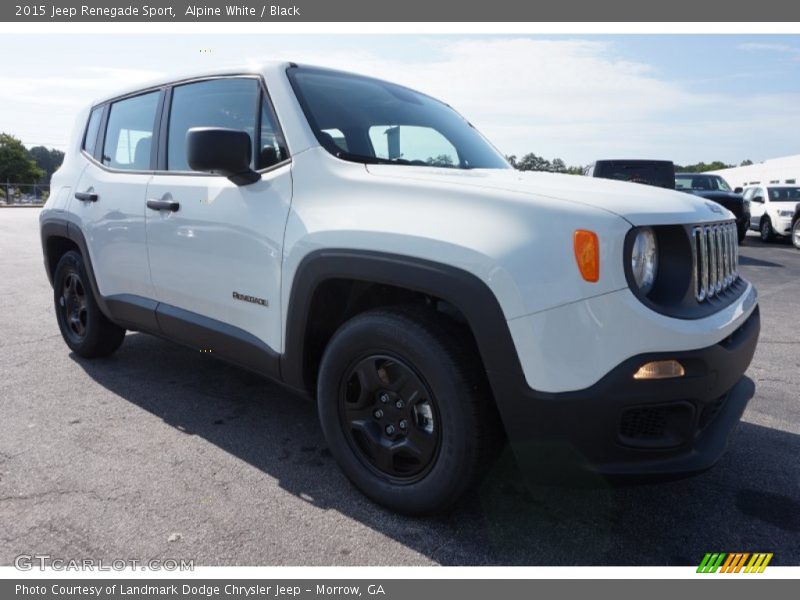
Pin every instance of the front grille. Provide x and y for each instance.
(644, 423)
(657, 426)
(715, 259)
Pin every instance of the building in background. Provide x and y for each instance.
(774, 170)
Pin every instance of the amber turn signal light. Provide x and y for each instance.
(587, 254)
(660, 369)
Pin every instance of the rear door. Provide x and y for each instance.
(110, 194)
(216, 259)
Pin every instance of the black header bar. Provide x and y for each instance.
(712, 11)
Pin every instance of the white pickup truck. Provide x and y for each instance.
(363, 243)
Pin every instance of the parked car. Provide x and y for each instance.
(660, 173)
(772, 209)
(715, 188)
(362, 243)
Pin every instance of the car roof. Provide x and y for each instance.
(166, 79)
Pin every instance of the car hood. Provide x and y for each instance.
(639, 204)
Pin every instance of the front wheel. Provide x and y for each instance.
(766, 230)
(742, 232)
(405, 408)
(85, 329)
(796, 234)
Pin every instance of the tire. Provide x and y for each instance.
(85, 329)
(767, 235)
(742, 233)
(451, 423)
(796, 234)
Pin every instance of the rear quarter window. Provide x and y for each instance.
(92, 129)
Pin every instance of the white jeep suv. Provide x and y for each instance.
(363, 243)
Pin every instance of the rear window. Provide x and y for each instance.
(660, 174)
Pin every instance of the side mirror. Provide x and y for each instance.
(738, 190)
(225, 152)
(758, 199)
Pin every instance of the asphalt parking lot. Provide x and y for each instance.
(162, 452)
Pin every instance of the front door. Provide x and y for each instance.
(215, 251)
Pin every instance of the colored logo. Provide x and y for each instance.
(735, 562)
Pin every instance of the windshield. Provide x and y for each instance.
(784, 194)
(701, 183)
(366, 120)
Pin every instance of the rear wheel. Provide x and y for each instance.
(767, 234)
(796, 234)
(405, 408)
(83, 326)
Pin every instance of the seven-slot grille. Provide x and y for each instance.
(715, 255)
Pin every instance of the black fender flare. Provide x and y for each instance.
(465, 291)
(53, 227)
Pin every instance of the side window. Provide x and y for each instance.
(758, 195)
(271, 145)
(415, 144)
(92, 129)
(129, 133)
(228, 103)
(748, 194)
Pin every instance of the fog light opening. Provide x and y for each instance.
(660, 369)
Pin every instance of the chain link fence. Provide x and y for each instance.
(23, 194)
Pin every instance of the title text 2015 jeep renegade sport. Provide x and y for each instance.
(362, 242)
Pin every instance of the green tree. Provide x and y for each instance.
(701, 167)
(16, 164)
(531, 162)
(746, 162)
(443, 160)
(48, 160)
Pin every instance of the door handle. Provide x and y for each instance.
(163, 205)
(86, 196)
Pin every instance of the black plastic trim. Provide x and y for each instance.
(220, 339)
(673, 292)
(463, 290)
(56, 227)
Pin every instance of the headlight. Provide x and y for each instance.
(785, 213)
(644, 259)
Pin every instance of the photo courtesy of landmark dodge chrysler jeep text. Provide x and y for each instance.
(363, 243)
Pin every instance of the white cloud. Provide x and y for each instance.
(576, 99)
(770, 47)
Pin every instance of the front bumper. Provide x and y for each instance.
(783, 226)
(625, 427)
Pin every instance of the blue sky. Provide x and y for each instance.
(681, 97)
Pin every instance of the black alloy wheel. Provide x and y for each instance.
(390, 418)
(85, 329)
(73, 304)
